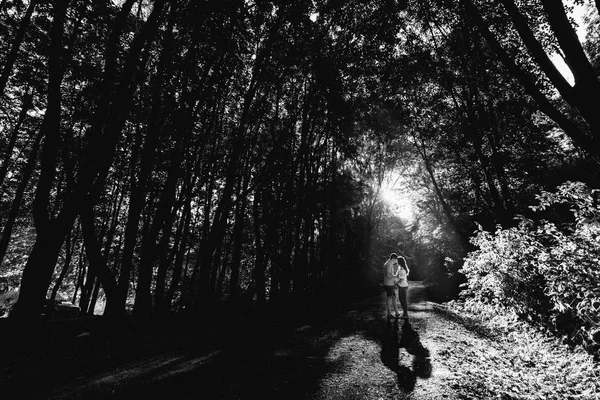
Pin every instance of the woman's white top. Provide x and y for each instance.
(402, 277)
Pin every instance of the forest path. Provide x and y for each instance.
(354, 355)
(351, 354)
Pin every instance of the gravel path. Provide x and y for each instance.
(396, 360)
(354, 354)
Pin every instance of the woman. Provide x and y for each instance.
(402, 283)
(390, 275)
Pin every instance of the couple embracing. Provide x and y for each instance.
(395, 275)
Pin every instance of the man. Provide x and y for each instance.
(390, 272)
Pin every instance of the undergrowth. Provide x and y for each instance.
(527, 363)
(545, 272)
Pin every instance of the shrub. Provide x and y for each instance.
(548, 273)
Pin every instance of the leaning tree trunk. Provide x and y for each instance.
(92, 306)
(104, 134)
(110, 119)
(590, 143)
(18, 199)
(66, 268)
(37, 273)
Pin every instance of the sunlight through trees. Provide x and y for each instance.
(161, 157)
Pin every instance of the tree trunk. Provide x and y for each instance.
(143, 300)
(94, 298)
(221, 267)
(37, 273)
(166, 216)
(165, 258)
(65, 270)
(86, 291)
(586, 85)
(260, 265)
(585, 93)
(179, 257)
(79, 275)
(590, 144)
(113, 104)
(17, 201)
(219, 225)
(97, 265)
(238, 237)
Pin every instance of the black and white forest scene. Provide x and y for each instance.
(300, 199)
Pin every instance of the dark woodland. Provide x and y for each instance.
(177, 170)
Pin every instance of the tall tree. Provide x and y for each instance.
(32, 296)
(580, 96)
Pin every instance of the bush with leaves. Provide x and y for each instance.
(547, 272)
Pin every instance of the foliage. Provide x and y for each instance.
(15, 259)
(527, 363)
(545, 271)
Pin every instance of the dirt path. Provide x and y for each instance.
(356, 355)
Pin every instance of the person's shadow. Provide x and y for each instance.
(389, 345)
(392, 340)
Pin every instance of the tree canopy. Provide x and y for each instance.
(160, 156)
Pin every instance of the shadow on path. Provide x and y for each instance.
(325, 356)
(394, 339)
